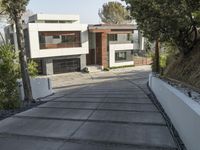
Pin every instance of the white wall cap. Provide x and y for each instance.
(62, 17)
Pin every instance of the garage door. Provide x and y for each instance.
(66, 65)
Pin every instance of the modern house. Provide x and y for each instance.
(9, 30)
(60, 44)
(113, 45)
(11, 36)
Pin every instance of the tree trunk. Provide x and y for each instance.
(23, 62)
(157, 56)
(3, 40)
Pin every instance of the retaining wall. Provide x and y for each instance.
(183, 111)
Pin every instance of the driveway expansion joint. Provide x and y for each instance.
(92, 120)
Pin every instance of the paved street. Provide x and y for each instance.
(98, 111)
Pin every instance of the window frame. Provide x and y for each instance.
(122, 58)
(113, 37)
(73, 39)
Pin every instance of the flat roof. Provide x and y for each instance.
(113, 27)
(61, 17)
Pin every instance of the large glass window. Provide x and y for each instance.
(130, 37)
(123, 56)
(113, 37)
(120, 56)
(58, 21)
(60, 39)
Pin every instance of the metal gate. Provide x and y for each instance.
(66, 65)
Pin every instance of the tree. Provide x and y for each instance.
(1, 9)
(114, 13)
(26, 15)
(9, 71)
(174, 21)
(15, 9)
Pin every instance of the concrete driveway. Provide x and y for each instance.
(99, 111)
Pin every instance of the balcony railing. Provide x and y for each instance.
(60, 45)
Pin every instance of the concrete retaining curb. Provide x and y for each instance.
(41, 87)
(183, 111)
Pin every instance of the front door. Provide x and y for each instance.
(91, 57)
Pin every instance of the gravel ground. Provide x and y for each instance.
(194, 95)
(7, 113)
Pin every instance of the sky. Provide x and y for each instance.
(87, 9)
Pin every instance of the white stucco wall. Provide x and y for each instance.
(183, 112)
(11, 30)
(41, 87)
(141, 41)
(51, 17)
(121, 47)
(35, 51)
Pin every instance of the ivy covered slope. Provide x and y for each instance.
(186, 69)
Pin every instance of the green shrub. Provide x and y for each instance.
(106, 69)
(9, 73)
(167, 54)
(85, 70)
(152, 56)
(32, 68)
(163, 61)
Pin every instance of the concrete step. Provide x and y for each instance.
(95, 68)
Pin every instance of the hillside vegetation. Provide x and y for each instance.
(186, 68)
